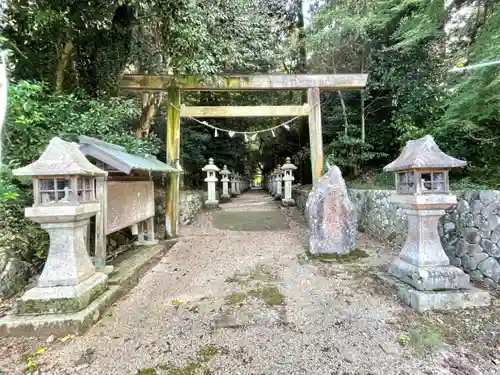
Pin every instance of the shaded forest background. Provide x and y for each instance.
(66, 58)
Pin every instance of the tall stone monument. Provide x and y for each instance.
(422, 271)
(331, 215)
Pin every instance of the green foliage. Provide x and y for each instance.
(35, 116)
(19, 236)
(350, 153)
(403, 46)
(469, 127)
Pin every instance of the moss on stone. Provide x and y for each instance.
(352, 256)
(60, 305)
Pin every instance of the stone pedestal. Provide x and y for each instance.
(279, 188)
(273, 183)
(422, 271)
(233, 187)
(238, 185)
(226, 196)
(211, 201)
(422, 262)
(68, 263)
(287, 199)
(69, 281)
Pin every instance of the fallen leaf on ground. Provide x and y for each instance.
(40, 351)
(66, 338)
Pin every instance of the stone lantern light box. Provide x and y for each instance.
(425, 278)
(60, 180)
(422, 168)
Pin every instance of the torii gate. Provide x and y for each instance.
(313, 83)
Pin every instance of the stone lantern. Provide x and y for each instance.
(273, 181)
(279, 183)
(64, 201)
(288, 169)
(233, 184)
(211, 180)
(425, 277)
(225, 184)
(238, 184)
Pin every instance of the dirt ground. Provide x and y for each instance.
(238, 294)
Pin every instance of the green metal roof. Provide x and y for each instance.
(117, 157)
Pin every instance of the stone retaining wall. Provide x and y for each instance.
(191, 202)
(469, 231)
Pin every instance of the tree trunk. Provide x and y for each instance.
(305, 165)
(149, 104)
(63, 58)
(363, 96)
(344, 111)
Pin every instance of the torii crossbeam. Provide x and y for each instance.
(313, 83)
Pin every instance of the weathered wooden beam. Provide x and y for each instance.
(269, 82)
(315, 133)
(246, 111)
(100, 223)
(173, 142)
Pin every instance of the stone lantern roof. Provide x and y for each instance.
(210, 167)
(288, 165)
(224, 171)
(60, 158)
(423, 153)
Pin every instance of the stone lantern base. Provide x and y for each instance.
(225, 198)
(422, 273)
(427, 300)
(212, 204)
(62, 299)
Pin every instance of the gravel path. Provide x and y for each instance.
(225, 301)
